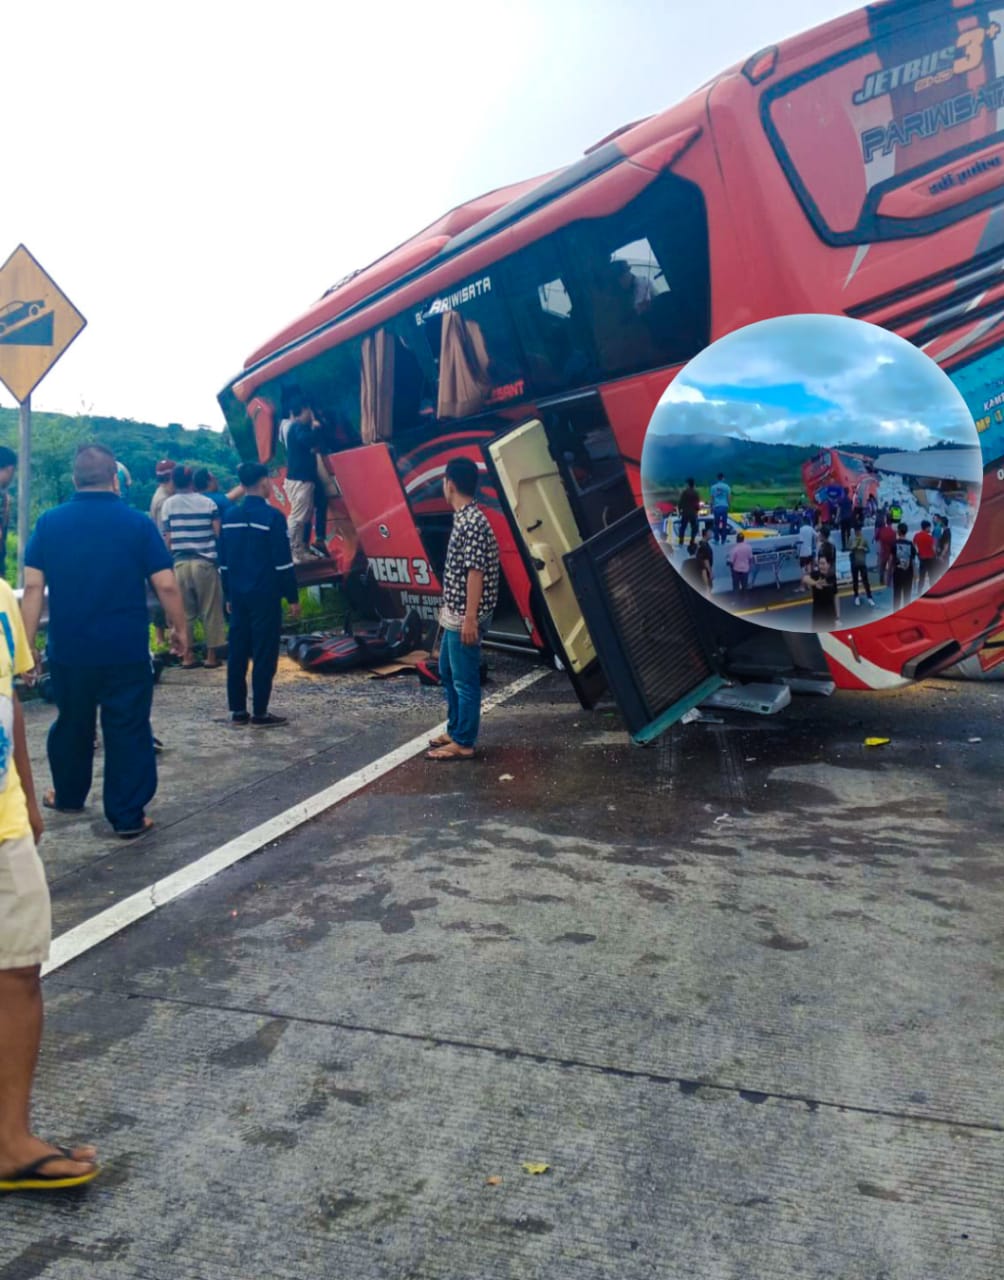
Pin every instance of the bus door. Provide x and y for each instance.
(385, 527)
(614, 612)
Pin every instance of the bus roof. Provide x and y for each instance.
(482, 216)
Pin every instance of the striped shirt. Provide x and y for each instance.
(188, 520)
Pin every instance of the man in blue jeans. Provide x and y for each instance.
(470, 593)
(721, 499)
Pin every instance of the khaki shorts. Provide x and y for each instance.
(25, 912)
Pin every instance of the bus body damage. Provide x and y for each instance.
(510, 311)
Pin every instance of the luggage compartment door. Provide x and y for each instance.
(386, 529)
(533, 495)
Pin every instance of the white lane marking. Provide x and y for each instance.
(68, 946)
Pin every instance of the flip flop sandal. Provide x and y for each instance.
(32, 1178)
(138, 831)
(443, 755)
(443, 740)
(49, 802)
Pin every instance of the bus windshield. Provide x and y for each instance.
(899, 135)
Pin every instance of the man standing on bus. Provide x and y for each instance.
(721, 497)
(470, 593)
(301, 475)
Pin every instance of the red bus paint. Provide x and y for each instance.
(850, 170)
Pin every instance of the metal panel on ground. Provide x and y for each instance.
(657, 652)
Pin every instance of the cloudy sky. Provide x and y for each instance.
(193, 175)
(816, 380)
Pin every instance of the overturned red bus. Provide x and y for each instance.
(502, 332)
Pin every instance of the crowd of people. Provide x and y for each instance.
(205, 555)
(868, 531)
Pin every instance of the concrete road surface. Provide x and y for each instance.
(738, 993)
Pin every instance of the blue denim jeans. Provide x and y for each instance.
(460, 672)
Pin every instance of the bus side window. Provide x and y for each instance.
(554, 340)
(643, 276)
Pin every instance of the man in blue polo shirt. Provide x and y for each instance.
(96, 556)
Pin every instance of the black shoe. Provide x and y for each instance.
(158, 746)
(268, 722)
(239, 717)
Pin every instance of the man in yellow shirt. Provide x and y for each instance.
(26, 1163)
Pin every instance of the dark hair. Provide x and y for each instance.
(925, 524)
(93, 466)
(296, 404)
(181, 478)
(721, 475)
(201, 479)
(251, 473)
(903, 529)
(8, 458)
(463, 473)
(690, 481)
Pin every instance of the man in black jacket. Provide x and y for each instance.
(256, 566)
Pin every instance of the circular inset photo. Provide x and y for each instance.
(811, 472)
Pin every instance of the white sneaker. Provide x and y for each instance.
(871, 603)
(857, 601)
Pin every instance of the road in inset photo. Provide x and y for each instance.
(812, 472)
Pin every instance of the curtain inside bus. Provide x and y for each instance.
(377, 387)
(464, 382)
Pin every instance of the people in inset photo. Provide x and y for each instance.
(927, 556)
(721, 498)
(822, 582)
(690, 506)
(903, 562)
(859, 570)
(705, 557)
(740, 561)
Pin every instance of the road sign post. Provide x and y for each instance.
(23, 485)
(37, 323)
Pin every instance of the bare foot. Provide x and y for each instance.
(82, 1159)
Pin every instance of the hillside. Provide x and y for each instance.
(139, 446)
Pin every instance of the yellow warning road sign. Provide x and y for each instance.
(37, 323)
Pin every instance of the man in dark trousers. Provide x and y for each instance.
(96, 555)
(904, 558)
(690, 506)
(257, 568)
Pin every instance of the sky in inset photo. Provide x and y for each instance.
(816, 380)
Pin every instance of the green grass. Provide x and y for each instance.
(744, 498)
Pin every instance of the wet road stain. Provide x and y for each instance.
(947, 904)
(578, 938)
(465, 926)
(781, 942)
(876, 1192)
(255, 1049)
(41, 1254)
(754, 1096)
(274, 1139)
(528, 1225)
(354, 1097)
(333, 1208)
(559, 869)
(444, 886)
(652, 892)
(419, 957)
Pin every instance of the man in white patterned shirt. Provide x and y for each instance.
(470, 594)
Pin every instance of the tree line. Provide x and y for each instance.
(139, 446)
